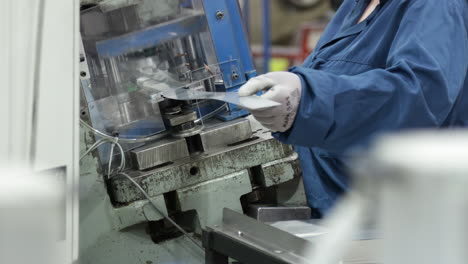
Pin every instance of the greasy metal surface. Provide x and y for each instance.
(101, 239)
(265, 213)
(209, 197)
(161, 152)
(281, 170)
(117, 235)
(262, 237)
(140, 212)
(195, 170)
(225, 134)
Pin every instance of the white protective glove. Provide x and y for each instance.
(282, 87)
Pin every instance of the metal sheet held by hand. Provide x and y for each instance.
(245, 102)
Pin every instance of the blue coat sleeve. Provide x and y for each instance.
(424, 73)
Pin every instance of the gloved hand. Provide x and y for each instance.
(282, 87)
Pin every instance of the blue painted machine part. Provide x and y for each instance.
(246, 17)
(231, 45)
(266, 36)
(241, 37)
(230, 41)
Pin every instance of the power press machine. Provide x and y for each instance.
(193, 158)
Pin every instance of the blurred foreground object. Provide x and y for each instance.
(411, 187)
(415, 182)
(38, 113)
(423, 178)
(31, 222)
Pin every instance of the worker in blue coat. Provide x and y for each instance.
(380, 66)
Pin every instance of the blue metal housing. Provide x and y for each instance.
(232, 47)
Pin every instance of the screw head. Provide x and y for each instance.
(219, 15)
(235, 76)
(239, 233)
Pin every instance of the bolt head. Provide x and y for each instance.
(219, 15)
(240, 233)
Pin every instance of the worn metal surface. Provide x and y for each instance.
(117, 234)
(208, 198)
(224, 134)
(139, 212)
(265, 213)
(281, 170)
(291, 193)
(161, 152)
(195, 170)
(101, 239)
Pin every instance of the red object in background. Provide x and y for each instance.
(308, 37)
(305, 41)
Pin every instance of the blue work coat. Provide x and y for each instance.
(404, 67)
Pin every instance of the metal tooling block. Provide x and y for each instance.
(215, 137)
(265, 213)
(184, 117)
(159, 153)
(194, 170)
(223, 135)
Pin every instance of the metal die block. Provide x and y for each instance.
(223, 135)
(282, 170)
(139, 212)
(197, 169)
(291, 193)
(181, 118)
(210, 197)
(265, 213)
(161, 152)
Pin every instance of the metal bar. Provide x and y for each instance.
(249, 241)
(266, 36)
(246, 15)
(149, 37)
(240, 32)
(220, 246)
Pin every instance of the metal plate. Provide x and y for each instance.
(266, 213)
(244, 102)
(163, 151)
(249, 241)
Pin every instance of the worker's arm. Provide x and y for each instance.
(426, 69)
